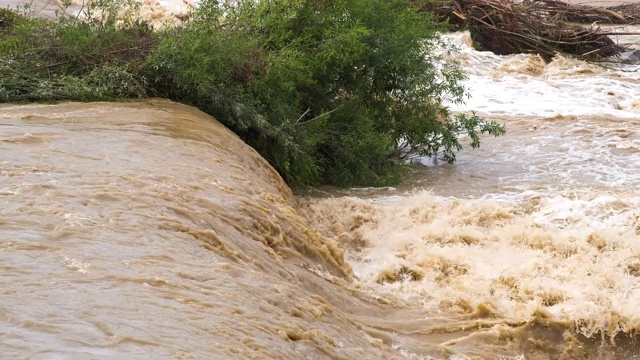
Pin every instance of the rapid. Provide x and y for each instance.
(147, 230)
(534, 236)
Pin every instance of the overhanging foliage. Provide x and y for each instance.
(333, 91)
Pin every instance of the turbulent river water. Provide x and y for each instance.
(147, 230)
(535, 236)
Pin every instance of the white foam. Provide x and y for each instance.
(523, 85)
(518, 253)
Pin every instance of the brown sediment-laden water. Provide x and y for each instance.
(147, 230)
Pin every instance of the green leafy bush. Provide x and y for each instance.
(96, 58)
(328, 91)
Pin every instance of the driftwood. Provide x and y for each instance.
(584, 14)
(631, 12)
(544, 27)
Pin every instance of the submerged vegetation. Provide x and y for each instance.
(337, 91)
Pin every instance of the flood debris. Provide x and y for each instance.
(585, 14)
(544, 27)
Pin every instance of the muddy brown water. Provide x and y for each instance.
(148, 230)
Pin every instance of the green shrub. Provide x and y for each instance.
(336, 91)
(9, 18)
(98, 59)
